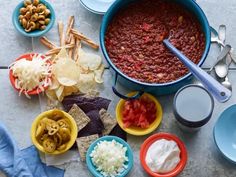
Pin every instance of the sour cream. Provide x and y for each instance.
(163, 156)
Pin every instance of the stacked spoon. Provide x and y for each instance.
(221, 66)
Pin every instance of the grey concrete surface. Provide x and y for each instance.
(204, 160)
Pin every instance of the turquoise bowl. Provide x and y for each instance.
(129, 154)
(225, 133)
(36, 33)
(141, 87)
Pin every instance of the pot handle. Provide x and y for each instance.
(117, 93)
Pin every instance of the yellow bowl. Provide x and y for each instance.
(73, 126)
(133, 130)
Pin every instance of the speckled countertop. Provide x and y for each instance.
(18, 112)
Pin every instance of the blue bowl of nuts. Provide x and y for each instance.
(33, 18)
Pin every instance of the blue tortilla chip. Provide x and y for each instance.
(117, 131)
(91, 107)
(95, 126)
(85, 103)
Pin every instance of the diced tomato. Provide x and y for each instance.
(140, 113)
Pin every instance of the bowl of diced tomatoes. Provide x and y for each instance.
(140, 116)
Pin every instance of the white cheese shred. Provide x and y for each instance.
(31, 74)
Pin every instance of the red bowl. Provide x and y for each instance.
(183, 154)
(12, 78)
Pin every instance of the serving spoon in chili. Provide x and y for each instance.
(221, 93)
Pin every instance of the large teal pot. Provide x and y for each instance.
(157, 89)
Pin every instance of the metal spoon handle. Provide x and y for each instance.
(215, 88)
(222, 34)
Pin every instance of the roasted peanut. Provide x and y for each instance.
(42, 22)
(47, 12)
(47, 21)
(24, 23)
(21, 17)
(43, 27)
(27, 2)
(37, 25)
(34, 17)
(27, 15)
(35, 2)
(23, 11)
(41, 17)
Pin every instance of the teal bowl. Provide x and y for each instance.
(129, 154)
(36, 33)
(141, 87)
(225, 133)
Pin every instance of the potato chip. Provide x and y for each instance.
(59, 93)
(51, 94)
(66, 71)
(90, 61)
(83, 144)
(79, 116)
(98, 74)
(55, 84)
(86, 82)
(70, 90)
(62, 54)
(108, 121)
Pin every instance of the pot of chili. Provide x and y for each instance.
(131, 38)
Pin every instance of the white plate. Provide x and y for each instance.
(97, 6)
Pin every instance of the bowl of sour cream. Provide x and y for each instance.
(163, 155)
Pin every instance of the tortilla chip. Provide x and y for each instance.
(117, 131)
(108, 121)
(85, 103)
(92, 94)
(95, 126)
(79, 116)
(83, 144)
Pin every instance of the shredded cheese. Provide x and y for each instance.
(31, 74)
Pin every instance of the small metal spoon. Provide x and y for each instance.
(220, 59)
(227, 84)
(215, 39)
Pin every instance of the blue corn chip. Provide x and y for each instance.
(95, 126)
(117, 131)
(85, 103)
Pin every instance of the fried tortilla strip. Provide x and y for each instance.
(83, 144)
(61, 33)
(70, 25)
(47, 43)
(84, 38)
(108, 121)
(70, 51)
(76, 50)
(58, 49)
(79, 116)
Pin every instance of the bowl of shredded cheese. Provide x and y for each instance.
(30, 74)
(109, 156)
